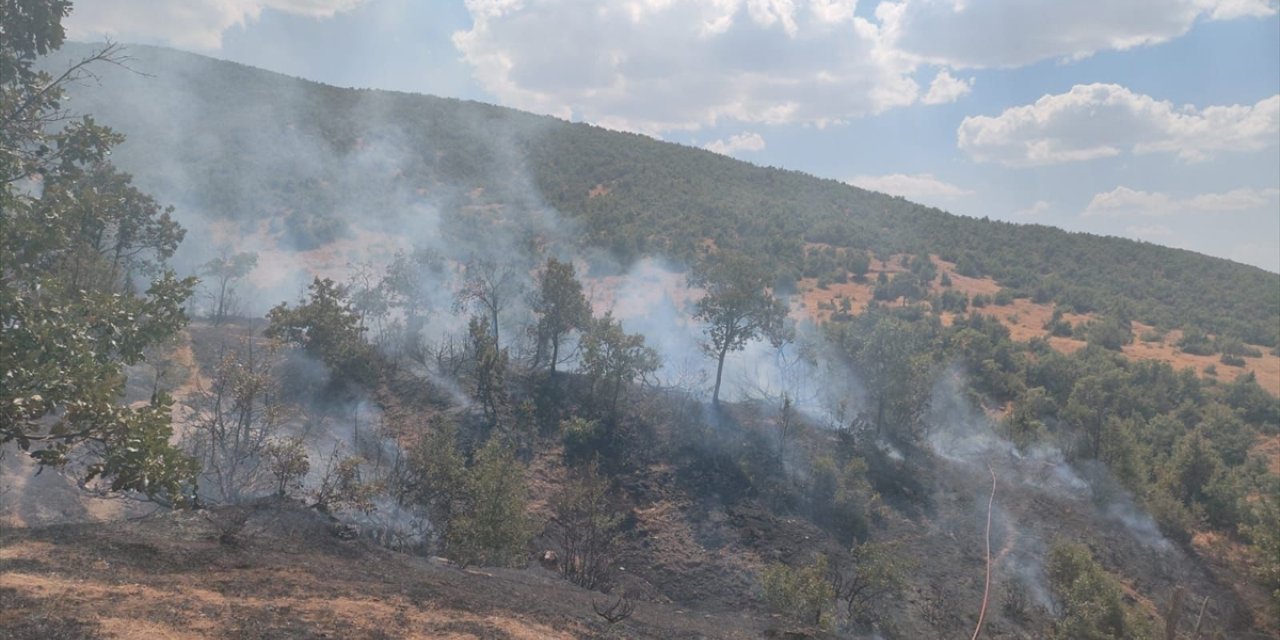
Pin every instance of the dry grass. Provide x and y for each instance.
(1026, 320)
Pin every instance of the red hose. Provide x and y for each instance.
(986, 590)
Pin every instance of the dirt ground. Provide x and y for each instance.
(287, 575)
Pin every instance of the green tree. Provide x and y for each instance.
(1192, 467)
(893, 358)
(872, 574)
(560, 305)
(613, 359)
(326, 326)
(803, 593)
(71, 255)
(738, 307)
(492, 527)
(1092, 603)
(490, 372)
(436, 477)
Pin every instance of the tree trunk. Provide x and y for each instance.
(715, 395)
(496, 343)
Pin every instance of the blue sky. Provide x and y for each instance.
(1151, 119)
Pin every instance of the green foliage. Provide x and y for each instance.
(491, 527)
(906, 286)
(138, 457)
(1264, 532)
(1058, 326)
(613, 359)
(803, 593)
(738, 307)
(326, 326)
(895, 358)
(838, 497)
(583, 439)
(489, 287)
(661, 197)
(872, 574)
(436, 473)
(288, 463)
(1196, 342)
(1092, 604)
(1109, 333)
(560, 305)
(490, 372)
(343, 487)
(74, 253)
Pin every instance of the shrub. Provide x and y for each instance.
(1092, 603)
(803, 593)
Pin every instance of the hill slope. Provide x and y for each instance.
(229, 142)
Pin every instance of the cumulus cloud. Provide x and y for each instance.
(658, 65)
(921, 186)
(945, 88)
(198, 24)
(1123, 201)
(1011, 33)
(1102, 120)
(740, 142)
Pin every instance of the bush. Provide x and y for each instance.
(492, 528)
(803, 593)
(1092, 602)
(583, 439)
(1232, 360)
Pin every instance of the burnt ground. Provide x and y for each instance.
(287, 574)
(692, 550)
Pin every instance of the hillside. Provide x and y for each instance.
(228, 142)
(397, 365)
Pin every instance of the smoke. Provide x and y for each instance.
(1037, 489)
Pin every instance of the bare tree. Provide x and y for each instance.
(585, 526)
(489, 287)
(221, 276)
(620, 610)
(234, 419)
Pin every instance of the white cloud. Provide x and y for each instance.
(1038, 207)
(1232, 9)
(1102, 120)
(945, 88)
(660, 65)
(740, 142)
(1123, 201)
(1010, 33)
(198, 24)
(921, 186)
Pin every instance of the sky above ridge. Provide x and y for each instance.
(1157, 120)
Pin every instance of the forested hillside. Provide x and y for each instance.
(403, 366)
(242, 143)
